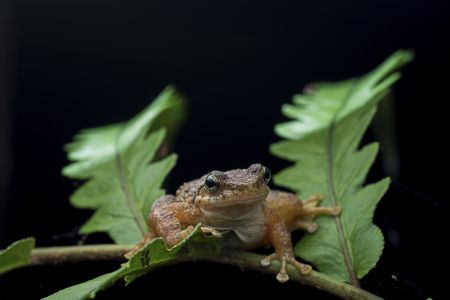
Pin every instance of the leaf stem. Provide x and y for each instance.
(242, 259)
(332, 193)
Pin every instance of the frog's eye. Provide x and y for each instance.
(266, 174)
(212, 183)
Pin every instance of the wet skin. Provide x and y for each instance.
(240, 202)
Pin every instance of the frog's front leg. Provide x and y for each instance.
(164, 223)
(171, 220)
(160, 202)
(174, 221)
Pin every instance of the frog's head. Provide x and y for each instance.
(240, 187)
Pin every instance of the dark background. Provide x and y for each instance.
(67, 65)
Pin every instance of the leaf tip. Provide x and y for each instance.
(16, 255)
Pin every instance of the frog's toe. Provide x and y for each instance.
(210, 230)
(304, 269)
(282, 275)
(131, 253)
(266, 261)
(336, 211)
(313, 201)
(308, 226)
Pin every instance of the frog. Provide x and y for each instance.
(241, 204)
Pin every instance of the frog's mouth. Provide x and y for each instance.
(238, 204)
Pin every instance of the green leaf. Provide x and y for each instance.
(145, 260)
(16, 255)
(88, 289)
(156, 253)
(323, 141)
(121, 166)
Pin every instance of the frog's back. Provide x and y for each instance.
(188, 190)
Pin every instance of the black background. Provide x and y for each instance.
(80, 64)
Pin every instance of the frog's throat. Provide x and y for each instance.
(248, 225)
(229, 216)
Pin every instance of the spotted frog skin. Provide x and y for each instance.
(239, 202)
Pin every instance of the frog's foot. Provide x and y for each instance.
(285, 259)
(211, 231)
(148, 237)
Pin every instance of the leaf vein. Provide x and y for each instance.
(124, 185)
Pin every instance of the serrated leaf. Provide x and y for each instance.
(121, 166)
(16, 255)
(145, 260)
(322, 141)
(156, 253)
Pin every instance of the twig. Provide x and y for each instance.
(246, 260)
(58, 255)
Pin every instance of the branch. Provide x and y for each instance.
(248, 260)
(58, 255)
(245, 260)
